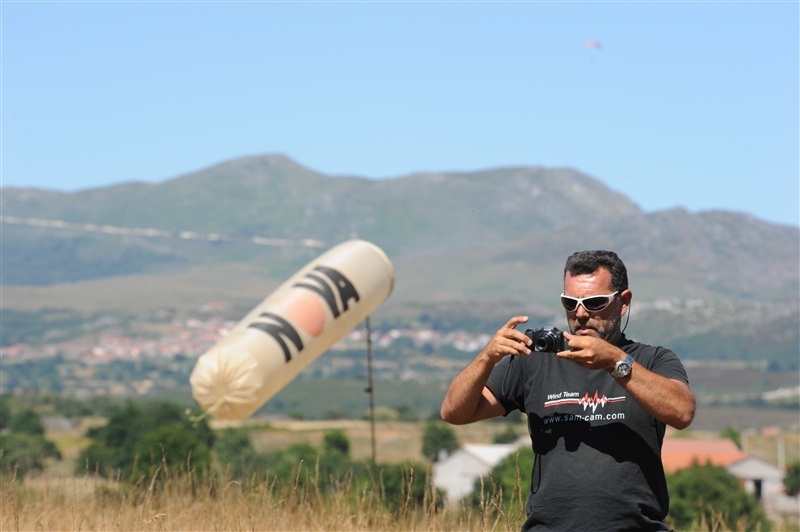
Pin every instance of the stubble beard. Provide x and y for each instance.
(608, 330)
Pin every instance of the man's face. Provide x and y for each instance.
(604, 324)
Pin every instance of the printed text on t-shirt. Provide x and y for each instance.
(561, 418)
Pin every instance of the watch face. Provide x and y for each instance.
(623, 368)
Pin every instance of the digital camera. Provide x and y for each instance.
(547, 340)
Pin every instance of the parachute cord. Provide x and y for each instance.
(197, 419)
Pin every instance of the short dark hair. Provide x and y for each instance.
(588, 262)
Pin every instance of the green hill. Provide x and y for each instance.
(468, 248)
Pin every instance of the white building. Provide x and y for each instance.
(456, 473)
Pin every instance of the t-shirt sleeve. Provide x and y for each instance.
(506, 382)
(667, 364)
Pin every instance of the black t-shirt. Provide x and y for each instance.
(597, 452)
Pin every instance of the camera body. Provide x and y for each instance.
(547, 340)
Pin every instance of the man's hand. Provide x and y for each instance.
(507, 341)
(591, 352)
(468, 399)
(668, 400)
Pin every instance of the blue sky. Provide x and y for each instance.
(687, 104)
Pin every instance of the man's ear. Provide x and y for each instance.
(625, 297)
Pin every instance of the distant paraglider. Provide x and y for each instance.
(597, 45)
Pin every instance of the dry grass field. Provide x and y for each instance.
(182, 501)
(177, 501)
(395, 441)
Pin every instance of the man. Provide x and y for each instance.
(597, 412)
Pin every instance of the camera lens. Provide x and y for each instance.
(544, 342)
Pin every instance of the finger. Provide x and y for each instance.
(576, 342)
(519, 342)
(517, 336)
(514, 347)
(516, 320)
(510, 330)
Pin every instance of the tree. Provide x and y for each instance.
(406, 412)
(25, 446)
(97, 459)
(791, 481)
(119, 435)
(732, 433)
(171, 446)
(404, 482)
(334, 412)
(27, 452)
(135, 434)
(512, 476)
(709, 495)
(507, 435)
(438, 437)
(27, 421)
(336, 443)
(5, 411)
(293, 464)
(235, 452)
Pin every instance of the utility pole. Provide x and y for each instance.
(371, 391)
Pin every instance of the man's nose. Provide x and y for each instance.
(581, 311)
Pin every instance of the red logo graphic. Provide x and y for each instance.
(587, 401)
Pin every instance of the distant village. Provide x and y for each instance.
(191, 337)
(163, 361)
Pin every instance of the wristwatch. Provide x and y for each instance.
(623, 368)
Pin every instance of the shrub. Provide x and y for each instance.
(26, 452)
(438, 437)
(159, 434)
(791, 481)
(707, 494)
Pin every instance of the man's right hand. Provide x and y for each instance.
(468, 399)
(508, 341)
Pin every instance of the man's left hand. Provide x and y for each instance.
(591, 352)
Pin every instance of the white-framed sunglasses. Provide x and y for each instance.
(591, 303)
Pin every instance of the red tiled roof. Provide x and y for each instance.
(680, 453)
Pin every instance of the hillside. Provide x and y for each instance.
(273, 197)
(469, 247)
(533, 215)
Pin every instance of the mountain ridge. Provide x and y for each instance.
(273, 196)
(473, 246)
